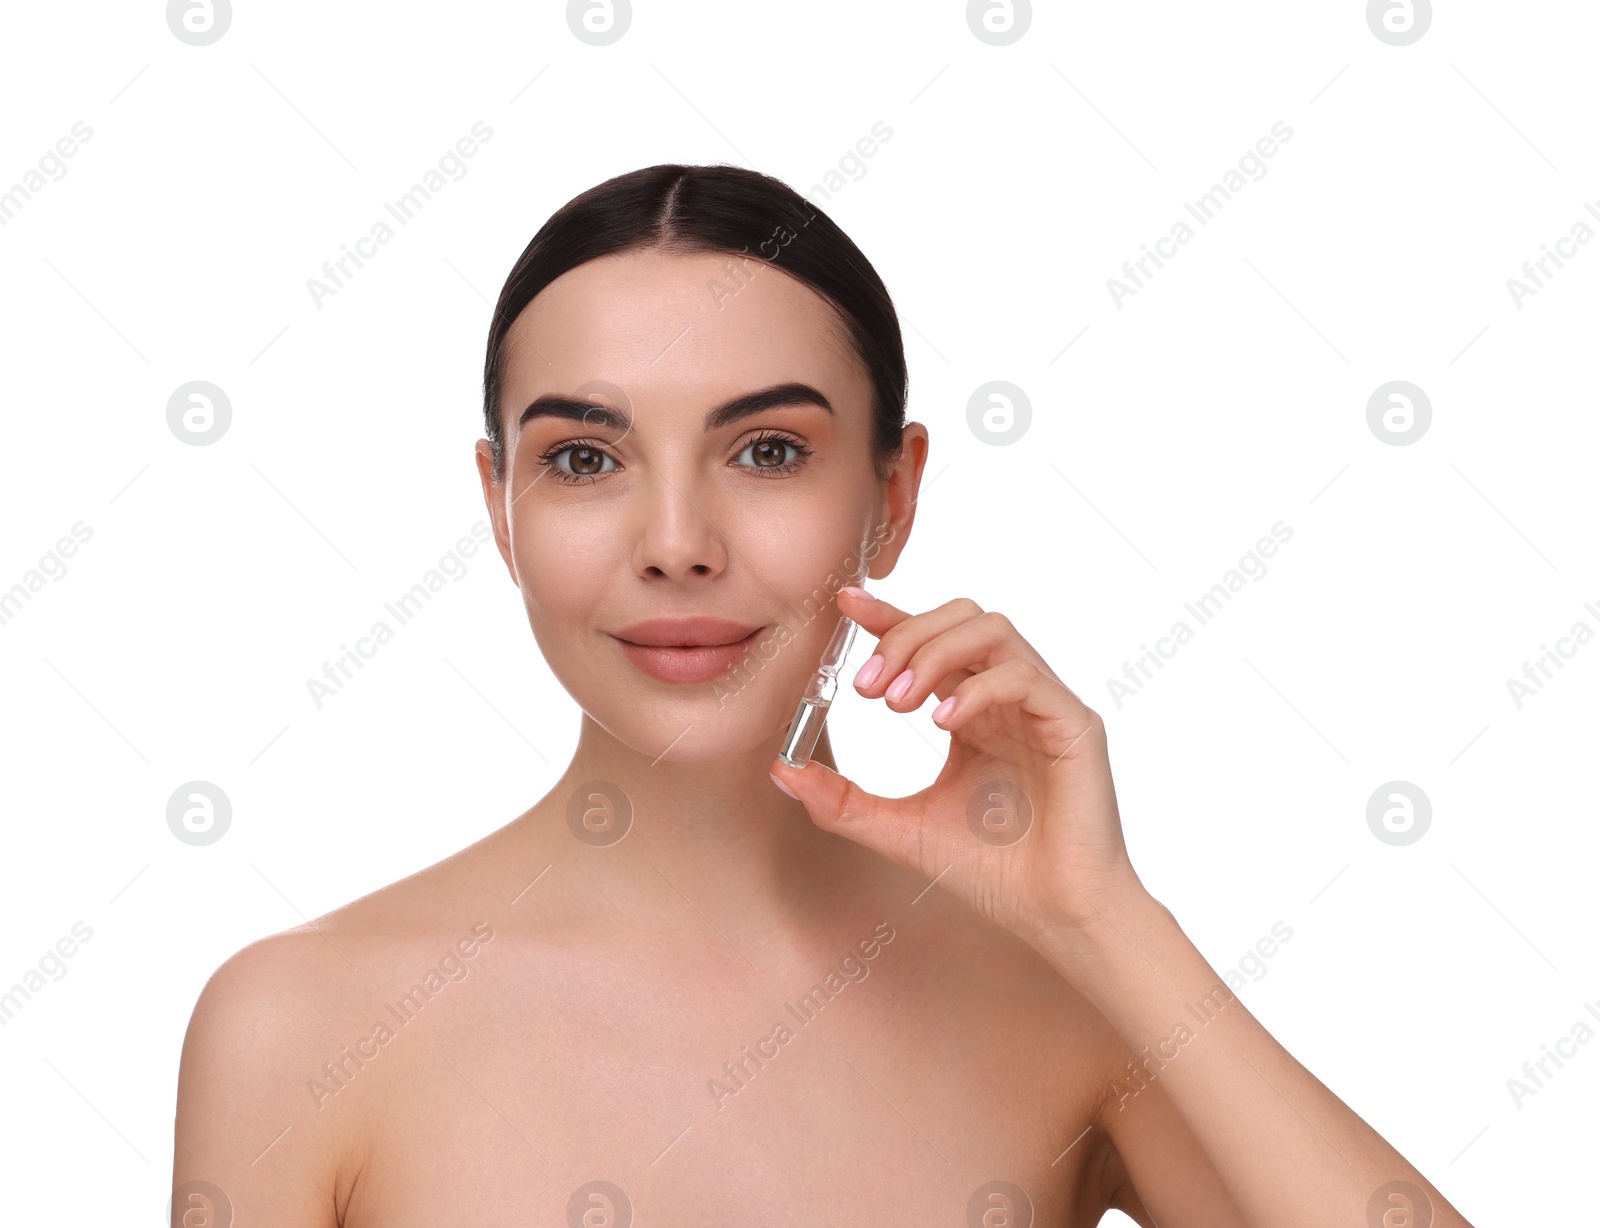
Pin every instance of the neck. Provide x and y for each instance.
(719, 831)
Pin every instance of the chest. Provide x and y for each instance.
(856, 1094)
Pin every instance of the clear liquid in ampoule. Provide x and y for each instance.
(804, 731)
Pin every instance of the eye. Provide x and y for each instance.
(767, 453)
(585, 464)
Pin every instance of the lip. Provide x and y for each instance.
(685, 650)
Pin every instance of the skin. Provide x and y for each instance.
(590, 995)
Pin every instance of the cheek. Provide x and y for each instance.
(804, 557)
(562, 559)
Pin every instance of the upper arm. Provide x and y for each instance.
(1159, 1173)
(245, 1125)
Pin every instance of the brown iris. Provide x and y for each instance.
(772, 449)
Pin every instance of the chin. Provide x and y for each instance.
(695, 728)
(729, 717)
(718, 738)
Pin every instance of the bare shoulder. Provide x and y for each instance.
(1154, 1169)
(1075, 1051)
(276, 1037)
(243, 1138)
(1062, 1051)
(1139, 1156)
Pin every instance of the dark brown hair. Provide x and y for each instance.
(691, 209)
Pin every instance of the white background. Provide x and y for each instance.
(1228, 394)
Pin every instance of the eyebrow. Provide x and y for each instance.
(594, 414)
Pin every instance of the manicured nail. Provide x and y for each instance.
(943, 711)
(857, 592)
(868, 672)
(784, 787)
(899, 687)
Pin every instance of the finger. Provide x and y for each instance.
(869, 612)
(954, 655)
(839, 805)
(905, 635)
(1065, 717)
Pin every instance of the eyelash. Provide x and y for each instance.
(547, 459)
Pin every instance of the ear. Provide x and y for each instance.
(494, 499)
(899, 503)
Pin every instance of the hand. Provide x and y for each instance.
(1022, 821)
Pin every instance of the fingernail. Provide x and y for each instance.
(857, 592)
(900, 686)
(943, 711)
(870, 671)
(784, 787)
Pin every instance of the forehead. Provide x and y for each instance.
(678, 330)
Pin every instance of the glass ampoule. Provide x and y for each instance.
(806, 727)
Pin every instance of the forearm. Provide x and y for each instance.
(1286, 1148)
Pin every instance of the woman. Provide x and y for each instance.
(672, 990)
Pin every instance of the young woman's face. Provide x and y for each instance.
(653, 494)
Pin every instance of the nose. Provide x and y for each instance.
(677, 538)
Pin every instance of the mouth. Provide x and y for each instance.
(686, 650)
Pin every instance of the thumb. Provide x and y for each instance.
(839, 805)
